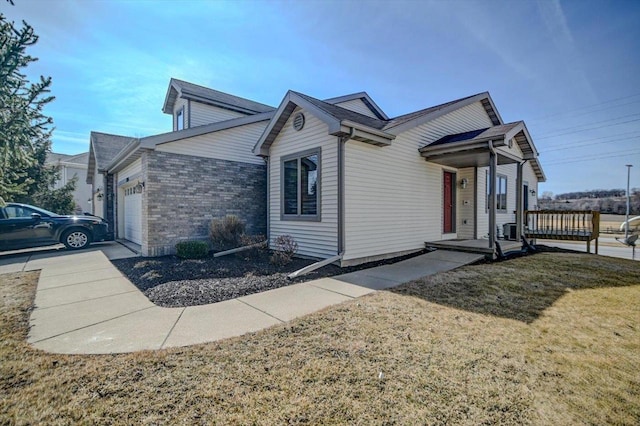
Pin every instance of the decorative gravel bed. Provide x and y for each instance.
(173, 282)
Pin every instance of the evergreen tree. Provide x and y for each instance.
(25, 131)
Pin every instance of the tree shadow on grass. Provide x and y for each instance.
(521, 289)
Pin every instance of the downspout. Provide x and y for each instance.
(519, 200)
(475, 203)
(188, 113)
(342, 140)
(493, 160)
(268, 163)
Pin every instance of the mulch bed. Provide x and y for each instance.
(173, 282)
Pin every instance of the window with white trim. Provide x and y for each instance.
(501, 193)
(300, 186)
(180, 119)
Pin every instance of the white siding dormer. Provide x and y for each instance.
(201, 114)
(317, 237)
(233, 144)
(357, 105)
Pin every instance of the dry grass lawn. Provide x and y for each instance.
(546, 339)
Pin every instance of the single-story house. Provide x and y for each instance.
(338, 175)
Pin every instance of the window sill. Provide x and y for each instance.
(300, 218)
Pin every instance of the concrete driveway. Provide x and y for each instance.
(16, 260)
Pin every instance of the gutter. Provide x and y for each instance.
(122, 155)
(462, 145)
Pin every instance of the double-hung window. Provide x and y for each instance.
(300, 186)
(501, 193)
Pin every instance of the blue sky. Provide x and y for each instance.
(570, 70)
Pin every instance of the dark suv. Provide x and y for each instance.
(25, 226)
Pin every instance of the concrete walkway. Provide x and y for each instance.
(85, 305)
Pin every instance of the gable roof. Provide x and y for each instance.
(183, 89)
(131, 152)
(341, 119)
(366, 99)
(53, 157)
(503, 132)
(103, 147)
(341, 122)
(404, 122)
(77, 159)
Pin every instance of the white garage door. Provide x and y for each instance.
(133, 215)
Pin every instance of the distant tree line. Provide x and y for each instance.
(613, 203)
(593, 193)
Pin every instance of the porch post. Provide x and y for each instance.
(493, 165)
(519, 201)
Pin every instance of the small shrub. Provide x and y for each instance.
(226, 233)
(249, 240)
(284, 248)
(192, 249)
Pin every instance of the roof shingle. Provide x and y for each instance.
(106, 146)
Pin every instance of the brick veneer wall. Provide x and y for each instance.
(110, 201)
(183, 193)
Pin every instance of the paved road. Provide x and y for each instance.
(607, 247)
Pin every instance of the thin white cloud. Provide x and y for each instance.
(555, 21)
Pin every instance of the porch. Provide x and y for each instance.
(481, 246)
(504, 144)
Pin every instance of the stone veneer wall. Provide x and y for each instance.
(183, 193)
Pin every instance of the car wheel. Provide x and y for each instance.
(76, 239)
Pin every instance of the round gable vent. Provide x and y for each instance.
(298, 121)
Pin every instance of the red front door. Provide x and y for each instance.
(448, 202)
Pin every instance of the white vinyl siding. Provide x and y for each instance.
(466, 203)
(358, 106)
(98, 204)
(508, 216)
(133, 170)
(315, 239)
(233, 144)
(529, 176)
(201, 114)
(393, 197)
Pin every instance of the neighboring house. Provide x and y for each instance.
(338, 175)
(73, 166)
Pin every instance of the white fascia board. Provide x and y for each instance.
(367, 129)
(172, 85)
(530, 139)
(490, 100)
(118, 162)
(91, 167)
(258, 147)
(462, 145)
(513, 132)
